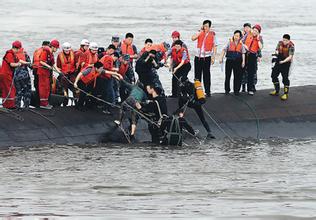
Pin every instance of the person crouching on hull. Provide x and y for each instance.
(285, 52)
(157, 107)
(235, 61)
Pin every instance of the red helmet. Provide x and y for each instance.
(175, 34)
(258, 27)
(17, 44)
(54, 43)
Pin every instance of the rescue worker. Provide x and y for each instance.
(245, 32)
(91, 55)
(127, 47)
(285, 52)
(157, 107)
(124, 72)
(136, 95)
(36, 63)
(81, 55)
(66, 63)
(105, 81)
(253, 43)
(10, 61)
(146, 68)
(188, 98)
(206, 53)
(22, 81)
(181, 66)
(147, 46)
(235, 61)
(86, 81)
(115, 41)
(45, 71)
(176, 36)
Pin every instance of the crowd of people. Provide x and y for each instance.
(93, 73)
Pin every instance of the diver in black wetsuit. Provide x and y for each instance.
(189, 99)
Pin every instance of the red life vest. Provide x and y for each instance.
(36, 57)
(91, 58)
(21, 54)
(127, 49)
(177, 55)
(90, 77)
(107, 62)
(67, 62)
(208, 39)
(123, 69)
(284, 49)
(80, 58)
(234, 51)
(6, 69)
(252, 43)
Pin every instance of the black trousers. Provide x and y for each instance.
(35, 81)
(88, 88)
(235, 67)
(181, 74)
(284, 69)
(202, 67)
(252, 70)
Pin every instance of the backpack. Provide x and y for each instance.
(173, 132)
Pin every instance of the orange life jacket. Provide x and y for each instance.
(177, 55)
(123, 69)
(21, 54)
(284, 49)
(208, 39)
(234, 51)
(91, 58)
(127, 49)
(36, 57)
(252, 43)
(107, 62)
(67, 62)
(90, 77)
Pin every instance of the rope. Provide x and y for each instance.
(253, 111)
(219, 127)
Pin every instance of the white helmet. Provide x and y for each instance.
(85, 42)
(66, 46)
(93, 46)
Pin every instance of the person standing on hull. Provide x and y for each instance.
(105, 81)
(66, 63)
(235, 61)
(22, 81)
(123, 71)
(127, 47)
(181, 66)
(36, 63)
(81, 55)
(245, 32)
(192, 96)
(91, 55)
(285, 52)
(45, 72)
(206, 53)
(253, 43)
(10, 62)
(116, 42)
